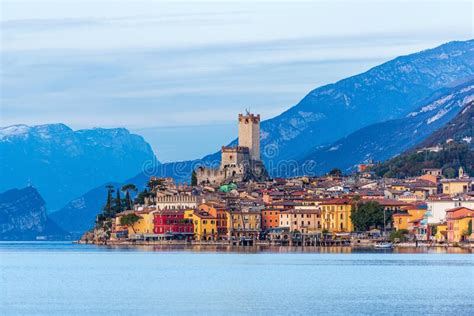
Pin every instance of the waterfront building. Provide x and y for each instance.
(218, 211)
(171, 224)
(438, 205)
(459, 221)
(270, 218)
(205, 225)
(244, 224)
(336, 215)
(306, 221)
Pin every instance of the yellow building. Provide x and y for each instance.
(218, 211)
(400, 220)
(459, 221)
(441, 232)
(456, 186)
(336, 215)
(243, 224)
(205, 225)
(143, 226)
(405, 218)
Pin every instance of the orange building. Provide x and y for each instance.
(459, 221)
(270, 218)
(218, 211)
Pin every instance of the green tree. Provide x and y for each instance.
(449, 172)
(400, 235)
(367, 215)
(193, 178)
(156, 184)
(108, 208)
(117, 203)
(127, 188)
(335, 172)
(469, 228)
(129, 220)
(140, 199)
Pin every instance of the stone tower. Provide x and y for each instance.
(249, 134)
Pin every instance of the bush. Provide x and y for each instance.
(400, 235)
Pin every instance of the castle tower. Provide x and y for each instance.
(249, 134)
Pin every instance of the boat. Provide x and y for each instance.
(384, 245)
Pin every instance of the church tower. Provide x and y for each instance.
(249, 134)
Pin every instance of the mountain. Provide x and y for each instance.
(384, 140)
(459, 129)
(390, 91)
(23, 216)
(79, 215)
(329, 113)
(62, 163)
(448, 148)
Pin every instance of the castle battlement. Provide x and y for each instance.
(247, 118)
(239, 163)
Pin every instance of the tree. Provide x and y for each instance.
(129, 220)
(118, 203)
(140, 199)
(156, 184)
(469, 228)
(335, 172)
(400, 235)
(108, 208)
(367, 215)
(127, 188)
(193, 178)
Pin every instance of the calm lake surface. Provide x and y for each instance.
(67, 279)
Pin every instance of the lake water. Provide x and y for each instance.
(66, 279)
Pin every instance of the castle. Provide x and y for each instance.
(241, 163)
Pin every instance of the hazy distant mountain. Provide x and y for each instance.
(23, 216)
(63, 164)
(384, 140)
(389, 91)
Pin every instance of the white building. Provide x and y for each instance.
(437, 208)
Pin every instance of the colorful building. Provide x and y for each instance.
(305, 221)
(336, 215)
(171, 224)
(205, 225)
(456, 186)
(143, 226)
(270, 218)
(459, 222)
(218, 211)
(244, 224)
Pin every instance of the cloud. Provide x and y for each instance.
(154, 65)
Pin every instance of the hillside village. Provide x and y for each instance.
(238, 204)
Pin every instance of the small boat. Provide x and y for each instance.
(384, 245)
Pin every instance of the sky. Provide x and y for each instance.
(178, 73)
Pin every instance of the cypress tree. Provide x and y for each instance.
(118, 203)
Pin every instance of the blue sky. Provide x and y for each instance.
(179, 72)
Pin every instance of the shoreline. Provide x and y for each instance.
(263, 244)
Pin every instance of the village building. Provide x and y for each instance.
(459, 221)
(171, 224)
